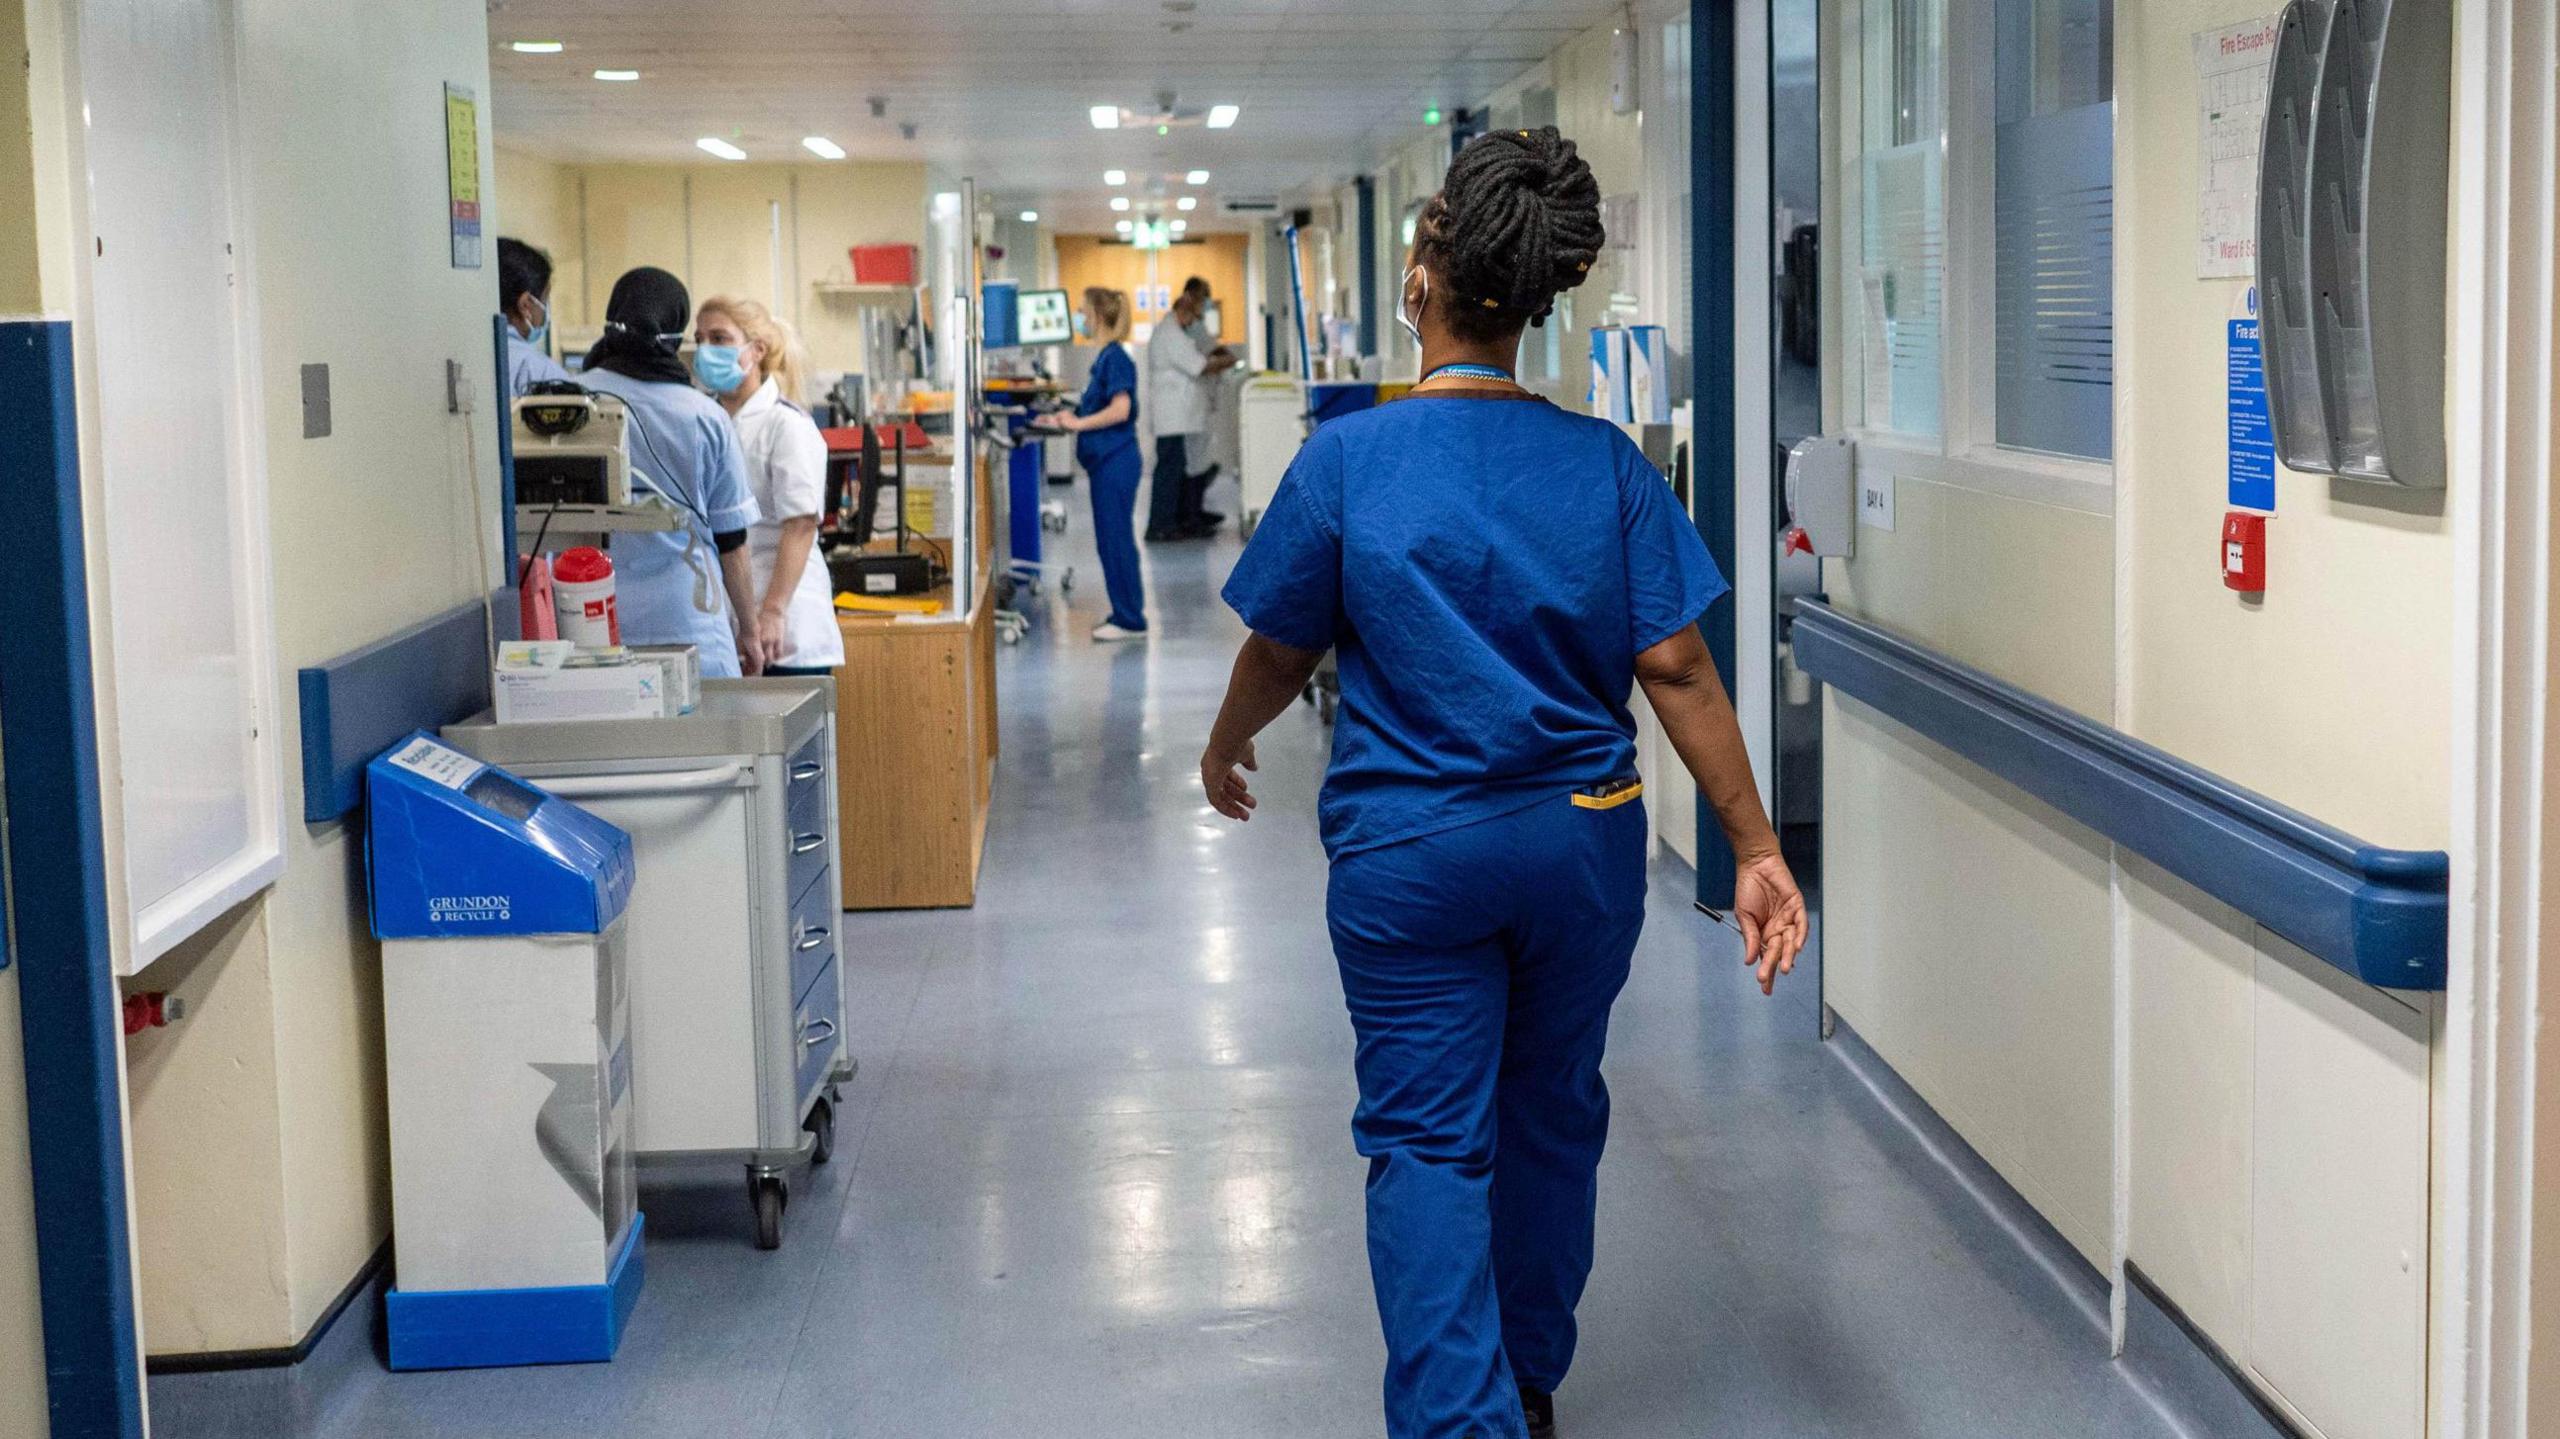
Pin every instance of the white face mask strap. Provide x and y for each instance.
(1411, 321)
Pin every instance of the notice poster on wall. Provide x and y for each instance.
(462, 173)
(2253, 436)
(2231, 92)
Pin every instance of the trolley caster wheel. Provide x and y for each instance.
(771, 1195)
(822, 1124)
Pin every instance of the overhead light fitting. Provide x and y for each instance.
(1125, 227)
(822, 147)
(1222, 116)
(1105, 117)
(1119, 202)
(618, 75)
(1031, 217)
(713, 144)
(1196, 177)
(1179, 226)
(1115, 177)
(1187, 202)
(537, 47)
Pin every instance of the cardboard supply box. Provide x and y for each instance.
(683, 666)
(550, 681)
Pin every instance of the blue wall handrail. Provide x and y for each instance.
(354, 707)
(2378, 914)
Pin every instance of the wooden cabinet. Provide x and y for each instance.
(915, 755)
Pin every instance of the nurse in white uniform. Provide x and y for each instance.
(691, 585)
(524, 299)
(748, 361)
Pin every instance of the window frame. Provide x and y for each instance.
(1966, 452)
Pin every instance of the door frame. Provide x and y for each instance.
(2497, 1114)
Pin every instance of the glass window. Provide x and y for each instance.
(2053, 219)
(1897, 318)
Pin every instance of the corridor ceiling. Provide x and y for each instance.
(1002, 89)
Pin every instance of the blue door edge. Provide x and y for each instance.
(70, 1010)
(1711, 302)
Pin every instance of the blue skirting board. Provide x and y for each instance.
(2378, 914)
(495, 1328)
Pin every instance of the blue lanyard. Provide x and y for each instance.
(1472, 372)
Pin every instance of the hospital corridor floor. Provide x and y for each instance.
(1095, 1177)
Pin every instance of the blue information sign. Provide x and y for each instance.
(2253, 440)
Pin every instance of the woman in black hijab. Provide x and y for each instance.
(684, 449)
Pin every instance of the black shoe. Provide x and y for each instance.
(1197, 530)
(1540, 1410)
(1159, 537)
(1210, 475)
(1211, 518)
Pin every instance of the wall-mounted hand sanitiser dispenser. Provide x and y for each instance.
(2352, 171)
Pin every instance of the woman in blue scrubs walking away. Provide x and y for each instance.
(693, 585)
(1105, 425)
(1497, 575)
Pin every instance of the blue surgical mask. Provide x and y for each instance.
(718, 368)
(541, 335)
(1081, 325)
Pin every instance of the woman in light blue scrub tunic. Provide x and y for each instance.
(1497, 576)
(691, 585)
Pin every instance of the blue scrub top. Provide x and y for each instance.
(526, 365)
(1489, 567)
(684, 448)
(1114, 373)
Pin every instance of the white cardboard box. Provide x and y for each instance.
(537, 683)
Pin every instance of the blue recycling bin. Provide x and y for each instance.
(507, 1040)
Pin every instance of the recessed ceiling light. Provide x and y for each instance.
(1222, 116)
(1124, 227)
(722, 148)
(1196, 177)
(1031, 217)
(1105, 117)
(1181, 225)
(1187, 202)
(822, 147)
(1119, 202)
(537, 47)
(617, 75)
(1115, 177)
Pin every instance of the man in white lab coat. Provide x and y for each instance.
(1183, 357)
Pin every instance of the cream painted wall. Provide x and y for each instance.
(271, 1096)
(1966, 927)
(713, 226)
(536, 201)
(2333, 694)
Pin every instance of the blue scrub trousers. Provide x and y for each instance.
(1115, 502)
(1479, 964)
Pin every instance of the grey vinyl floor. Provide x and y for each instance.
(1096, 1177)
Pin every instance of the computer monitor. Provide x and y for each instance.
(1046, 318)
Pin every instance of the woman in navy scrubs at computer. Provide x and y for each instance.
(1497, 576)
(1105, 425)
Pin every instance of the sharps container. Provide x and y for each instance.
(507, 1024)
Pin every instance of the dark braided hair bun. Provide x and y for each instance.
(1516, 223)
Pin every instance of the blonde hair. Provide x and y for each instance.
(1110, 313)
(783, 361)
